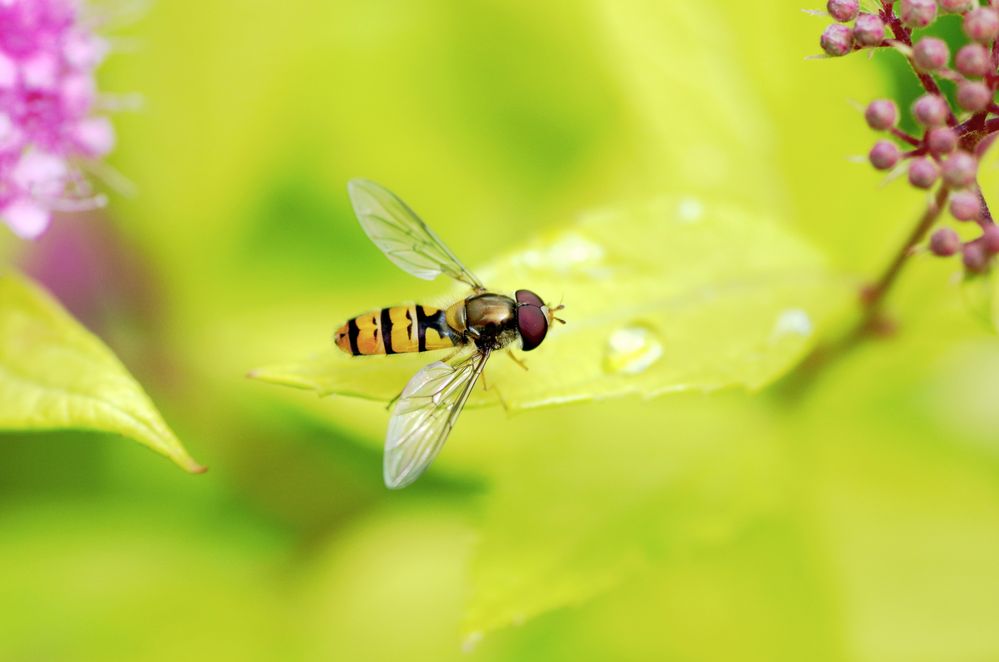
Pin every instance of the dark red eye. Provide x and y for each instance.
(532, 324)
(528, 297)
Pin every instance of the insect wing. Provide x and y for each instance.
(403, 236)
(424, 415)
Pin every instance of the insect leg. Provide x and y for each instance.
(516, 360)
(499, 396)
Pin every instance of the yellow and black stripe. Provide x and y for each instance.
(396, 330)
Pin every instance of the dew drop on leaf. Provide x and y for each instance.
(632, 349)
(471, 641)
(690, 210)
(793, 321)
(572, 252)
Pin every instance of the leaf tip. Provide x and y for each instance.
(188, 464)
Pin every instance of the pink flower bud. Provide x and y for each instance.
(930, 54)
(869, 30)
(965, 205)
(942, 140)
(981, 25)
(923, 172)
(955, 6)
(884, 155)
(960, 169)
(918, 13)
(990, 239)
(973, 95)
(930, 110)
(974, 257)
(843, 10)
(945, 242)
(881, 114)
(972, 60)
(837, 40)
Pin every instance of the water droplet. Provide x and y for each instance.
(632, 349)
(690, 210)
(793, 321)
(570, 252)
(471, 641)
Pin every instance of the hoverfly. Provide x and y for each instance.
(474, 327)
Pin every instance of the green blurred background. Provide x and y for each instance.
(859, 521)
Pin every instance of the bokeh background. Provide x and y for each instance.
(854, 520)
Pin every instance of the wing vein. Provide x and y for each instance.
(425, 414)
(403, 237)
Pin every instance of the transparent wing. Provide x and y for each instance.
(402, 236)
(424, 415)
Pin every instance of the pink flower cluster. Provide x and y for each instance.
(952, 134)
(47, 121)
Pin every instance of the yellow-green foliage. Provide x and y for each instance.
(54, 374)
(849, 518)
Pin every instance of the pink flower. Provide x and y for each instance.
(47, 121)
(952, 138)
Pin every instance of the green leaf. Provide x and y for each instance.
(596, 504)
(676, 295)
(54, 374)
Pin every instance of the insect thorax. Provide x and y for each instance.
(490, 320)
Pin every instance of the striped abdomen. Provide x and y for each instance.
(395, 330)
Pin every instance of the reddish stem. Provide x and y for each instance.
(902, 135)
(874, 294)
(904, 35)
(872, 299)
(972, 130)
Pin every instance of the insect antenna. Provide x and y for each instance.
(552, 311)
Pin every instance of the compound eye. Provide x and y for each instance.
(529, 298)
(532, 323)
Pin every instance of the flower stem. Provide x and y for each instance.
(873, 296)
(902, 135)
(903, 35)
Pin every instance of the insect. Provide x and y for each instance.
(473, 328)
